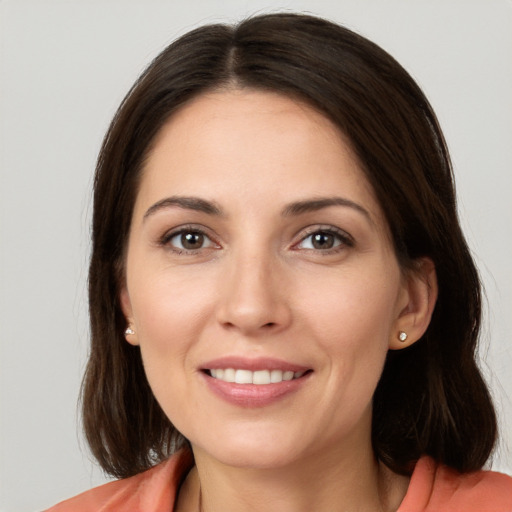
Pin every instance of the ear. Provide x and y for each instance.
(126, 306)
(420, 295)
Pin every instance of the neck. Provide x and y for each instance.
(327, 482)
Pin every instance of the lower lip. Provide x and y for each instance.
(254, 395)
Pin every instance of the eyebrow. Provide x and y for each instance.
(292, 209)
(188, 203)
(313, 205)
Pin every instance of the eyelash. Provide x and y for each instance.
(344, 239)
(165, 240)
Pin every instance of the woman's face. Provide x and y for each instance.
(258, 253)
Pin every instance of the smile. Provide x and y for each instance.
(258, 377)
(253, 382)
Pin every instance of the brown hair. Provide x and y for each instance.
(431, 398)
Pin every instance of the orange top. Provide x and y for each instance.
(433, 488)
(437, 488)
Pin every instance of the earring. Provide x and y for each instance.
(129, 331)
(402, 336)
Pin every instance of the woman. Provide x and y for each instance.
(284, 311)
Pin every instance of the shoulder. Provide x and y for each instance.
(151, 491)
(435, 488)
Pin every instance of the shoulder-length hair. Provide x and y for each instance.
(431, 398)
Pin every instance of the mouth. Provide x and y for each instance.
(257, 377)
(254, 382)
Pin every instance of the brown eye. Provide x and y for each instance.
(323, 240)
(326, 239)
(192, 241)
(188, 240)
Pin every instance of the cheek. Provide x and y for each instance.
(166, 304)
(353, 307)
(169, 315)
(352, 318)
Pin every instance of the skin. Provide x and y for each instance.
(259, 287)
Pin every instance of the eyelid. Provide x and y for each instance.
(346, 239)
(165, 239)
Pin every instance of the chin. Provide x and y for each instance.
(252, 451)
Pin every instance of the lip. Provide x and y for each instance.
(259, 363)
(253, 395)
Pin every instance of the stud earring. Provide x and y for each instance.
(129, 331)
(402, 336)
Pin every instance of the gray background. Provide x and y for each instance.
(64, 68)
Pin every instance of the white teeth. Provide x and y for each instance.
(260, 377)
(243, 377)
(229, 375)
(218, 374)
(276, 376)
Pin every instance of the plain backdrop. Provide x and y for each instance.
(65, 66)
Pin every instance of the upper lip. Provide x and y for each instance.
(252, 364)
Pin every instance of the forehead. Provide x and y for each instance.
(252, 143)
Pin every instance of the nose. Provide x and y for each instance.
(254, 299)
